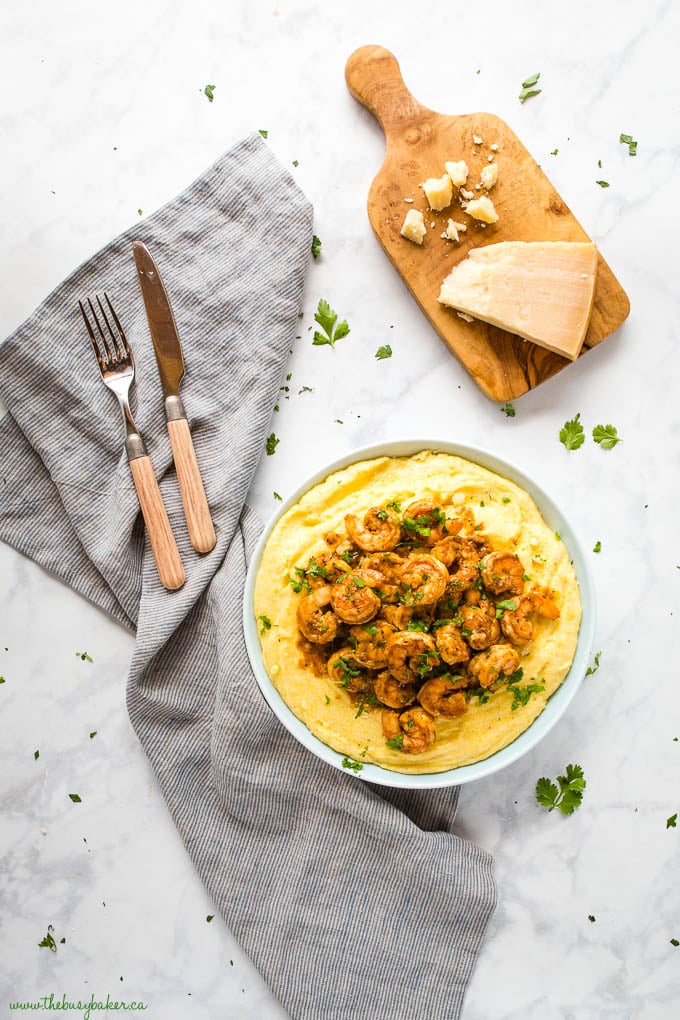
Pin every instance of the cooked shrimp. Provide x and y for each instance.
(451, 644)
(353, 598)
(415, 726)
(410, 653)
(495, 663)
(461, 556)
(480, 623)
(317, 625)
(371, 639)
(502, 573)
(380, 530)
(346, 670)
(517, 624)
(397, 616)
(392, 693)
(423, 579)
(439, 696)
(424, 522)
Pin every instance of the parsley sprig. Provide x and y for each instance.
(327, 319)
(566, 794)
(607, 436)
(572, 434)
(528, 87)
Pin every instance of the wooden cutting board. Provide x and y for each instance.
(419, 141)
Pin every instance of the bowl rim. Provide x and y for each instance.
(557, 703)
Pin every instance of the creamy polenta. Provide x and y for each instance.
(416, 612)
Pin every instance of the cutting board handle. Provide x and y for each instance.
(374, 79)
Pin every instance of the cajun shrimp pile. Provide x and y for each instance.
(414, 613)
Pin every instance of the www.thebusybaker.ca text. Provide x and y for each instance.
(86, 1007)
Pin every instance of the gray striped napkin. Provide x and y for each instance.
(301, 860)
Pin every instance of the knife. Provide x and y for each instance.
(170, 361)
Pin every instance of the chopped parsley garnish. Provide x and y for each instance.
(75, 798)
(572, 434)
(603, 184)
(393, 505)
(606, 436)
(266, 623)
(383, 352)
(591, 918)
(84, 656)
(521, 694)
(316, 246)
(48, 941)
(396, 743)
(569, 794)
(355, 766)
(208, 91)
(209, 917)
(327, 318)
(596, 665)
(674, 942)
(502, 606)
(418, 524)
(528, 88)
(553, 152)
(417, 625)
(598, 546)
(277, 496)
(93, 734)
(271, 444)
(632, 145)
(508, 410)
(671, 822)
(263, 132)
(36, 755)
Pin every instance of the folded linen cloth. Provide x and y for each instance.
(302, 860)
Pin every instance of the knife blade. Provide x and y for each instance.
(170, 361)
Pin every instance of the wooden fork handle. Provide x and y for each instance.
(161, 538)
(199, 522)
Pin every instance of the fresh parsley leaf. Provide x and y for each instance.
(521, 694)
(569, 795)
(93, 734)
(674, 942)
(553, 152)
(316, 246)
(671, 822)
(48, 941)
(2, 680)
(598, 546)
(603, 184)
(396, 743)
(75, 798)
(295, 163)
(266, 623)
(36, 755)
(383, 352)
(272, 443)
(632, 145)
(263, 132)
(502, 606)
(209, 918)
(596, 665)
(277, 496)
(508, 410)
(208, 91)
(591, 918)
(355, 766)
(327, 318)
(84, 656)
(528, 88)
(606, 435)
(571, 434)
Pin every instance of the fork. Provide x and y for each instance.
(117, 368)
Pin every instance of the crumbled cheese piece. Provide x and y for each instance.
(462, 315)
(413, 227)
(540, 290)
(438, 191)
(489, 176)
(482, 209)
(489, 159)
(451, 232)
(458, 172)
(494, 147)
(467, 195)
(409, 200)
(477, 140)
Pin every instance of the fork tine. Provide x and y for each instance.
(113, 354)
(121, 331)
(93, 338)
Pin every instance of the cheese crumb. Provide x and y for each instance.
(482, 209)
(438, 191)
(489, 176)
(458, 172)
(467, 195)
(410, 200)
(494, 147)
(477, 140)
(451, 232)
(462, 315)
(413, 228)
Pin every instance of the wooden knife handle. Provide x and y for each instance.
(199, 521)
(161, 538)
(374, 79)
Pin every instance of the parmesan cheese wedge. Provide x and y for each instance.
(541, 290)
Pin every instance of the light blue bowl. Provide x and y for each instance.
(557, 703)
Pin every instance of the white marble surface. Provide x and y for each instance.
(102, 114)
